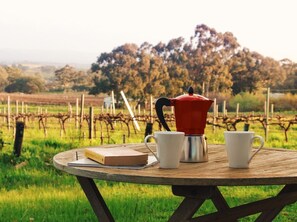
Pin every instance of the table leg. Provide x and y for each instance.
(186, 209)
(196, 195)
(95, 198)
(271, 214)
(194, 198)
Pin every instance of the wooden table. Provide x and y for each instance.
(197, 182)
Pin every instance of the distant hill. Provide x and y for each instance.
(52, 58)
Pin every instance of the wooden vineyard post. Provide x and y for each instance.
(112, 103)
(151, 109)
(76, 113)
(82, 110)
(224, 109)
(22, 107)
(267, 114)
(91, 122)
(8, 113)
(19, 134)
(139, 111)
(70, 111)
(130, 111)
(16, 107)
(214, 114)
(22, 111)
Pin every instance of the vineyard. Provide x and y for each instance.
(95, 121)
(100, 125)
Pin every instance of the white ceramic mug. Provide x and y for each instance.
(239, 147)
(169, 147)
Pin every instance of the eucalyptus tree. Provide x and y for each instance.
(115, 70)
(209, 52)
(252, 71)
(176, 61)
(290, 69)
(68, 77)
(272, 73)
(152, 72)
(245, 67)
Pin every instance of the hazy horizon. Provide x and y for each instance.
(47, 57)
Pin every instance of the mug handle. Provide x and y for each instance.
(147, 146)
(259, 148)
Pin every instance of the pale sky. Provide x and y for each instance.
(90, 27)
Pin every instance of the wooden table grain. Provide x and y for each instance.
(197, 182)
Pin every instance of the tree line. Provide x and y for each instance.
(211, 62)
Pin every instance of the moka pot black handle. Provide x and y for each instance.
(163, 101)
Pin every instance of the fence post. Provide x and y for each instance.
(91, 122)
(19, 134)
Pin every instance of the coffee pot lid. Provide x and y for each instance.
(191, 96)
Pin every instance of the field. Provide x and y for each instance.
(33, 190)
(51, 99)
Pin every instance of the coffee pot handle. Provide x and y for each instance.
(159, 110)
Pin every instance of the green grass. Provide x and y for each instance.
(31, 188)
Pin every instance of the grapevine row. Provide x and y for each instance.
(108, 121)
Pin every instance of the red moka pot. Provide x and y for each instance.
(190, 117)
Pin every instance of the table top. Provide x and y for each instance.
(269, 167)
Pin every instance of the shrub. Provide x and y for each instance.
(247, 102)
(285, 102)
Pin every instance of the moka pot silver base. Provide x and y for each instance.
(195, 149)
